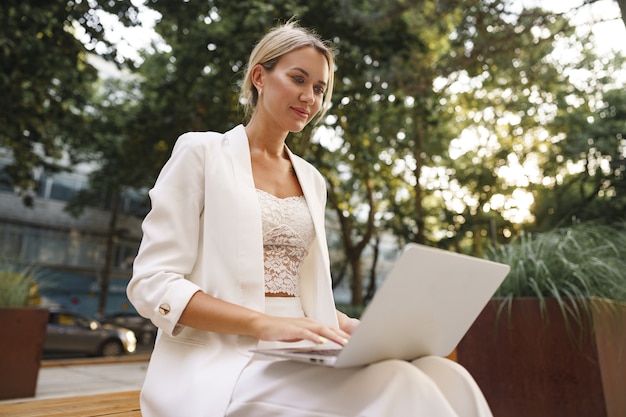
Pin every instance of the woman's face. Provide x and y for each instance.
(292, 93)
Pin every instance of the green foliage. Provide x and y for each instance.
(46, 80)
(125, 157)
(503, 114)
(388, 121)
(592, 136)
(412, 77)
(18, 287)
(574, 263)
(352, 310)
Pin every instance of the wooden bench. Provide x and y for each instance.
(115, 404)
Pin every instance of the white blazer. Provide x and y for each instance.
(204, 233)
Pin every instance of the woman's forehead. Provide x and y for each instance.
(309, 60)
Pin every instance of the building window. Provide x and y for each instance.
(58, 248)
(10, 241)
(62, 186)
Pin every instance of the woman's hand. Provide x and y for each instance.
(208, 313)
(286, 329)
(346, 323)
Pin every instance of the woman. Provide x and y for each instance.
(234, 256)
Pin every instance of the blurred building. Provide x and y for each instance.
(69, 251)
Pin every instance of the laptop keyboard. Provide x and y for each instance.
(320, 352)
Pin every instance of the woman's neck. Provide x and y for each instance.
(266, 140)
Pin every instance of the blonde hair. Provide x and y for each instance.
(278, 42)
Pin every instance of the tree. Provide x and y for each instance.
(413, 78)
(46, 79)
(355, 160)
(124, 158)
(496, 66)
(586, 165)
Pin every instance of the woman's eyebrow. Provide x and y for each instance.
(307, 74)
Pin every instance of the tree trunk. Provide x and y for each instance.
(108, 256)
(357, 281)
(371, 288)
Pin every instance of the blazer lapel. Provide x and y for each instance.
(310, 193)
(315, 284)
(249, 228)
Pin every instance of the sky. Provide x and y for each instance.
(609, 29)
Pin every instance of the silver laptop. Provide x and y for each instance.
(426, 304)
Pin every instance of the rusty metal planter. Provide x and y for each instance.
(22, 334)
(531, 364)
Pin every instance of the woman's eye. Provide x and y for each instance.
(319, 90)
(298, 79)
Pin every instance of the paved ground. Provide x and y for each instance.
(71, 377)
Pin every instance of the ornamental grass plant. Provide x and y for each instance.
(572, 264)
(18, 286)
(23, 329)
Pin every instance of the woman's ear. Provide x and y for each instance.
(257, 76)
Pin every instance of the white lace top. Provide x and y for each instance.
(287, 235)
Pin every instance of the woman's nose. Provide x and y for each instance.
(308, 96)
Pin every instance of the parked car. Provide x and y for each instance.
(72, 332)
(143, 328)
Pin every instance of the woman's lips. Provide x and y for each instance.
(301, 112)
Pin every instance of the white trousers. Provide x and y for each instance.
(429, 386)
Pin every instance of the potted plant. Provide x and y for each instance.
(23, 330)
(553, 340)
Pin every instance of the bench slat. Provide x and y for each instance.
(117, 404)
